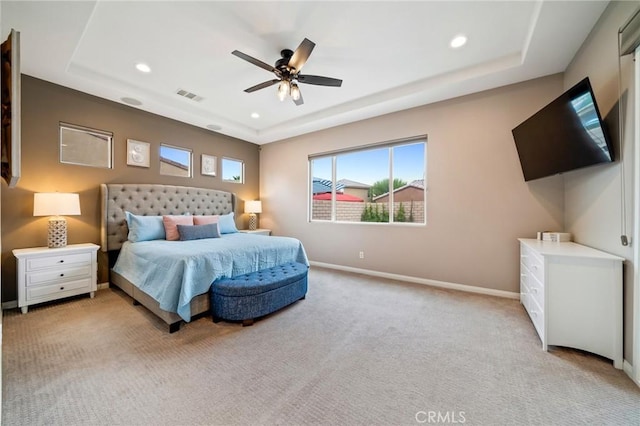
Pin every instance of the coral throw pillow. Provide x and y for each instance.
(171, 225)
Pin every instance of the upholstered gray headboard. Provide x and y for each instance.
(151, 200)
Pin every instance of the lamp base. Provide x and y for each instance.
(253, 221)
(57, 236)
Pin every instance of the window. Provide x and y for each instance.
(175, 161)
(85, 147)
(382, 183)
(232, 170)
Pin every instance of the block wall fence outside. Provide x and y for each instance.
(347, 211)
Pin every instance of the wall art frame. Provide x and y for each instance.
(208, 165)
(138, 153)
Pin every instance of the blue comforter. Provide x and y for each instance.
(174, 272)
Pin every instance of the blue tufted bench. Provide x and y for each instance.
(249, 296)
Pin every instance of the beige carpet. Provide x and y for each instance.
(357, 351)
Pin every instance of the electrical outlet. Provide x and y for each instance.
(361, 254)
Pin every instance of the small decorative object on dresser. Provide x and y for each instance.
(261, 231)
(573, 295)
(253, 207)
(46, 274)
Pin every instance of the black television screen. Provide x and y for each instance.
(565, 135)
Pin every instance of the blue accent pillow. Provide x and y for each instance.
(227, 224)
(144, 228)
(198, 232)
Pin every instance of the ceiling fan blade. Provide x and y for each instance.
(319, 80)
(300, 101)
(300, 56)
(254, 61)
(261, 85)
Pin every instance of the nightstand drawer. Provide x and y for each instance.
(57, 274)
(58, 289)
(59, 260)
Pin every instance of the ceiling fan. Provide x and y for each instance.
(287, 69)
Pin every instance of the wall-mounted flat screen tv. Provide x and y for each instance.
(565, 135)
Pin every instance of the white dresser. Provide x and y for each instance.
(46, 274)
(573, 295)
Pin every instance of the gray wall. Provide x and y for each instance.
(44, 105)
(477, 201)
(593, 196)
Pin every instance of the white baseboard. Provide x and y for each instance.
(432, 283)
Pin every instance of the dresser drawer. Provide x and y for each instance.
(524, 282)
(533, 261)
(60, 274)
(537, 317)
(58, 290)
(536, 290)
(59, 260)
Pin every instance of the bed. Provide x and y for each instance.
(172, 278)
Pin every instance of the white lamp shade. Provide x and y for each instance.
(56, 204)
(253, 207)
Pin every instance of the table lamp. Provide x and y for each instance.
(56, 204)
(253, 207)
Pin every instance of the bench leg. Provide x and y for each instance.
(216, 319)
(174, 327)
(247, 322)
(303, 297)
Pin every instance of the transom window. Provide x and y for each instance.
(383, 183)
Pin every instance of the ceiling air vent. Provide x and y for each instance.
(189, 95)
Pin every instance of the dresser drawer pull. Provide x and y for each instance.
(534, 290)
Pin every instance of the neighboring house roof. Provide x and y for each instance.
(418, 183)
(174, 163)
(346, 183)
(323, 185)
(339, 197)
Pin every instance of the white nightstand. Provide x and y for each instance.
(53, 273)
(263, 231)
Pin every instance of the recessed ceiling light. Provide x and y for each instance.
(458, 41)
(131, 101)
(255, 115)
(142, 67)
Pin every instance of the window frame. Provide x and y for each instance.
(333, 155)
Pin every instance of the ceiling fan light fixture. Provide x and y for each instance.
(283, 90)
(295, 91)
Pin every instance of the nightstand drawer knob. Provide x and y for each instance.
(61, 261)
(62, 275)
(61, 288)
